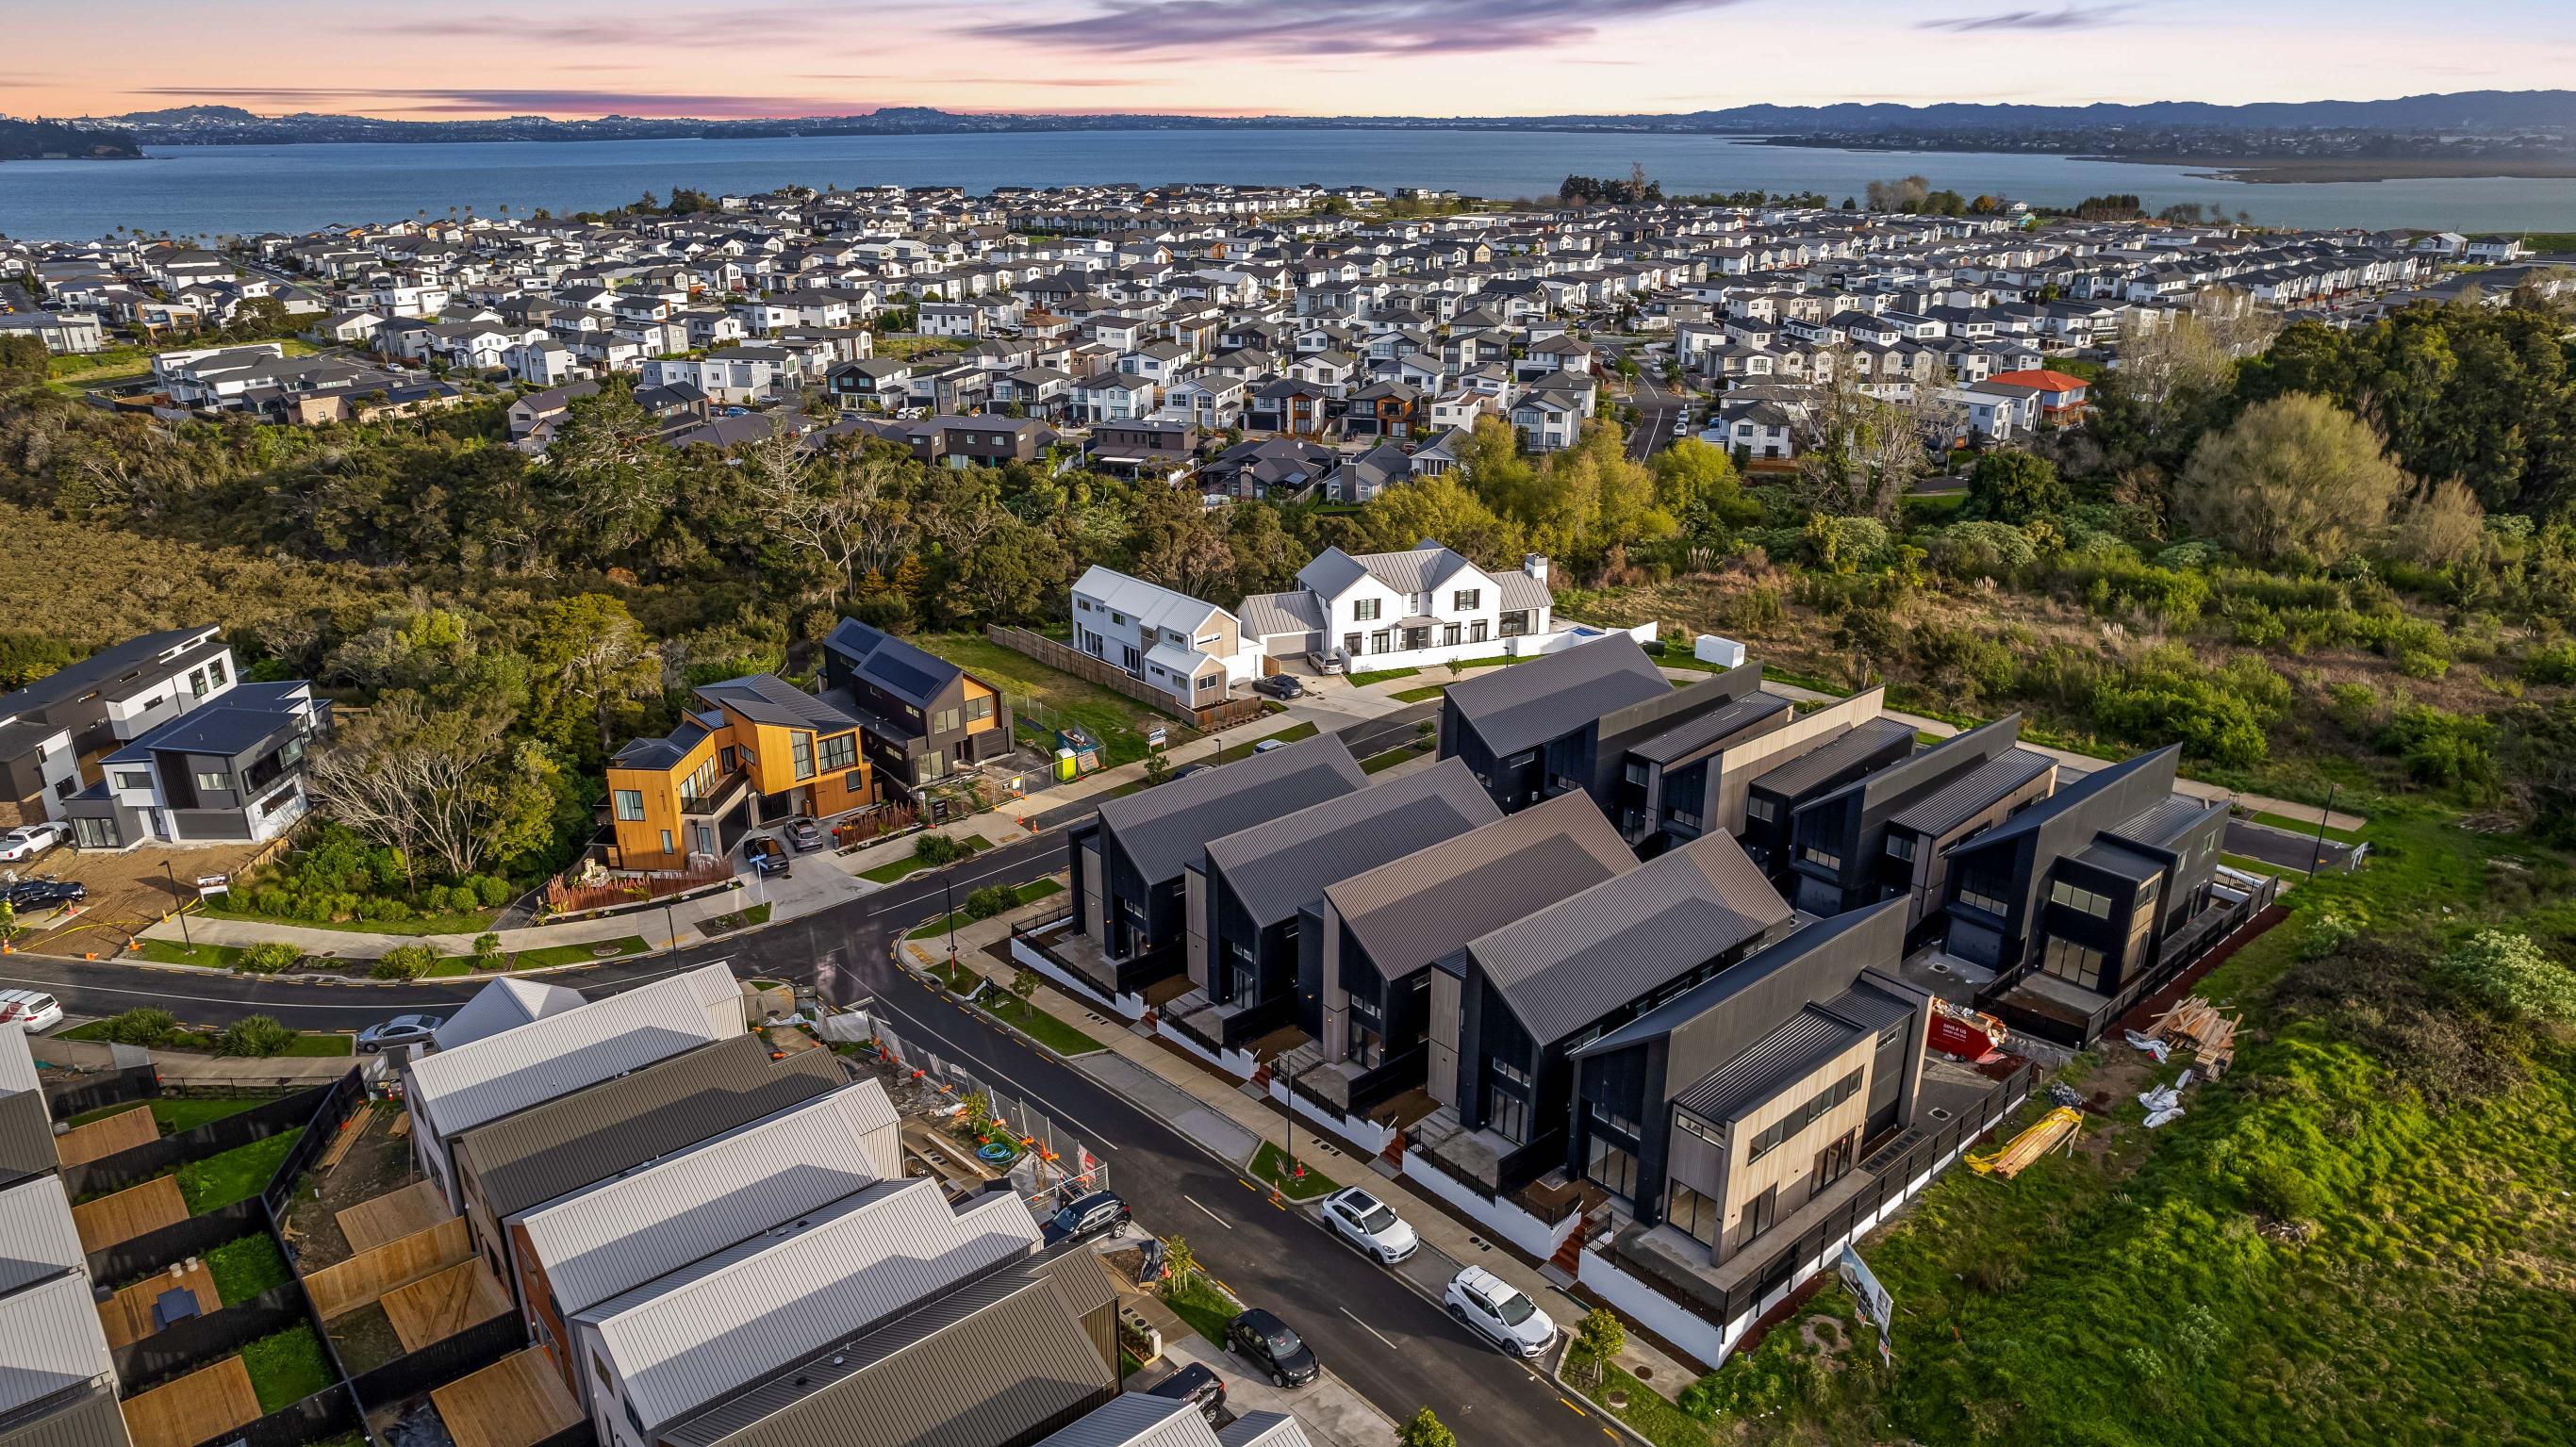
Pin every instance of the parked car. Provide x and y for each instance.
(400, 1030)
(1266, 1342)
(1329, 660)
(29, 894)
(29, 840)
(1189, 771)
(1197, 1385)
(764, 854)
(1499, 1312)
(1267, 745)
(1367, 1223)
(32, 1008)
(1087, 1216)
(805, 835)
(1280, 685)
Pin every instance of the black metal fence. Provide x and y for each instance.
(331, 1412)
(579, 1434)
(154, 1158)
(440, 1362)
(331, 1108)
(184, 1346)
(108, 1087)
(153, 1250)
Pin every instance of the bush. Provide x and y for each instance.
(268, 959)
(1841, 544)
(2509, 974)
(258, 1036)
(2443, 750)
(989, 901)
(2329, 934)
(487, 951)
(405, 962)
(2555, 663)
(145, 1026)
(938, 849)
(2167, 696)
(491, 890)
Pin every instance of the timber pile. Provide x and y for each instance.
(2196, 1023)
(2044, 1135)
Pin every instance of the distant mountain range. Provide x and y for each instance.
(2467, 113)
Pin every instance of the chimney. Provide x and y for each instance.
(1535, 564)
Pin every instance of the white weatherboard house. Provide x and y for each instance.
(1169, 641)
(1424, 606)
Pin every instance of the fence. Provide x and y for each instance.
(562, 898)
(153, 1158)
(440, 1362)
(141, 1256)
(184, 1346)
(347, 1285)
(108, 1087)
(1055, 1155)
(328, 1413)
(339, 1100)
(1225, 714)
(579, 1434)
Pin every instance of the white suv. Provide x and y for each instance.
(1367, 1223)
(1499, 1312)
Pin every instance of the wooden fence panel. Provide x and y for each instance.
(369, 1275)
(1225, 714)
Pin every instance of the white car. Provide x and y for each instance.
(32, 1008)
(1499, 1312)
(29, 840)
(1364, 1221)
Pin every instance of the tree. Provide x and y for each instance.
(1157, 768)
(612, 472)
(2441, 525)
(2295, 477)
(587, 656)
(1011, 573)
(2011, 486)
(1858, 452)
(428, 783)
(1024, 984)
(1436, 506)
(1180, 1264)
(1599, 1339)
(1423, 1429)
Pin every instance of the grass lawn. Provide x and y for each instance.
(235, 1175)
(913, 863)
(1649, 1413)
(1020, 1015)
(1500, 660)
(243, 1269)
(1244, 750)
(286, 1368)
(2307, 830)
(550, 955)
(1417, 695)
(1380, 763)
(1045, 699)
(1383, 675)
(175, 1114)
(171, 952)
(1029, 893)
(432, 924)
(1205, 1306)
(1271, 1164)
(899, 347)
(320, 1045)
(2252, 865)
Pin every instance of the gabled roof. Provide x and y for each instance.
(1842, 753)
(50, 1340)
(765, 698)
(104, 666)
(689, 1338)
(2072, 798)
(1148, 603)
(1583, 956)
(1876, 931)
(1709, 729)
(1947, 807)
(1797, 1049)
(1418, 569)
(1280, 866)
(455, 1090)
(504, 1005)
(912, 674)
(1166, 829)
(1527, 704)
(713, 1195)
(1430, 903)
(36, 1224)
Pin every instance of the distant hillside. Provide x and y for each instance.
(2470, 113)
(36, 140)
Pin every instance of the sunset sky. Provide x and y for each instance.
(576, 58)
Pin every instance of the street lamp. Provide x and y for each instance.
(670, 924)
(948, 897)
(183, 906)
(1296, 1168)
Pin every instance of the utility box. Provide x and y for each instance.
(1724, 652)
(1064, 766)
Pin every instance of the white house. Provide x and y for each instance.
(1411, 609)
(1172, 642)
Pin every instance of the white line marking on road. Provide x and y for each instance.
(1213, 1216)
(1052, 1108)
(1364, 1326)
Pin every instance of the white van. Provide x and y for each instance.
(32, 1008)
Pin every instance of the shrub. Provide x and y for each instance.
(144, 1026)
(2327, 935)
(989, 901)
(268, 959)
(1982, 550)
(2280, 1190)
(2509, 974)
(257, 1036)
(2167, 695)
(1840, 544)
(487, 951)
(2555, 663)
(938, 849)
(2191, 557)
(491, 890)
(405, 962)
(2443, 750)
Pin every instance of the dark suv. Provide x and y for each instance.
(1197, 1385)
(1085, 1217)
(764, 854)
(1266, 1342)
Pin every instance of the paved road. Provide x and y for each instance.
(1659, 416)
(2284, 848)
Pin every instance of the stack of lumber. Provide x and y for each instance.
(2044, 1135)
(2196, 1023)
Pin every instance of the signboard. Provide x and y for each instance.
(213, 884)
(1154, 737)
(1874, 1301)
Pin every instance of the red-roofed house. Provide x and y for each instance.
(2061, 397)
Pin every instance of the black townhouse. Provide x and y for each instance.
(1257, 899)
(1772, 800)
(1558, 978)
(924, 717)
(1844, 852)
(1679, 770)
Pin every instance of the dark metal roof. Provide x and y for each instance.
(1279, 867)
(617, 1125)
(1167, 828)
(1954, 803)
(1819, 765)
(2114, 858)
(1923, 772)
(103, 667)
(1793, 1052)
(2160, 824)
(1515, 708)
(94, 1420)
(911, 674)
(1027, 1367)
(1415, 910)
(1870, 1007)
(765, 698)
(2073, 797)
(1732, 989)
(1713, 727)
(1576, 960)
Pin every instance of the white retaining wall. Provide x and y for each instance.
(1367, 1137)
(1131, 1006)
(1238, 1063)
(1508, 1222)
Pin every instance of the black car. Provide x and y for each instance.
(1197, 1385)
(1086, 1216)
(1266, 1342)
(45, 893)
(764, 854)
(1279, 685)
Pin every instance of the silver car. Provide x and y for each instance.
(1367, 1223)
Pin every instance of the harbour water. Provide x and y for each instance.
(217, 190)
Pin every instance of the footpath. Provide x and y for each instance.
(1232, 1121)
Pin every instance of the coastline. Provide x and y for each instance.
(2247, 170)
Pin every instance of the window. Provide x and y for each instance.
(197, 683)
(979, 708)
(802, 746)
(133, 781)
(1832, 1164)
(666, 841)
(1449, 636)
(1760, 1214)
(1507, 1114)
(948, 721)
(1635, 772)
(1686, 818)
(1365, 610)
(215, 782)
(630, 805)
(2091, 902)
(1612, 1168)
(1506, 1070)
(1983, 890)
(215, 672)
(1900, 846)
(1466, 599)
(839, 752)
(1761, 809)
(2074, 963)
(1609, 1115)
(1813, 855)
(1476, 631)
(1692, 1125)
(1693, 1214)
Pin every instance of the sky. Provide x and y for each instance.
(455, 59)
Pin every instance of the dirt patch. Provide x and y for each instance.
(378, 1163)
(365, 1337)
(126, 892)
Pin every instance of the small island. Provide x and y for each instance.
(57, 141)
